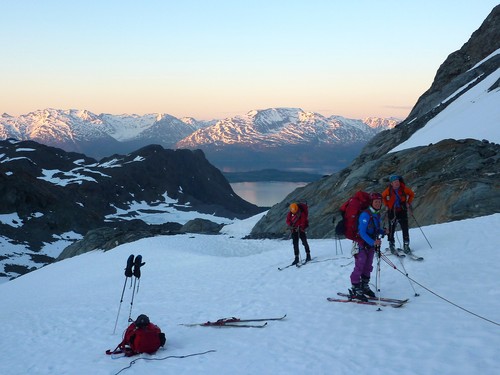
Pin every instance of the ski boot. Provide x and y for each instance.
(406, 248)
(357, 293)
(295, 261)
(392, 248)
(365, 286)
(308, 257)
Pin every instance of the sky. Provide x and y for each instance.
(217, 59)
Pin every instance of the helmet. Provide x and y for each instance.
(393, 178)
(294, 207)
(141, 321)
(374, 196)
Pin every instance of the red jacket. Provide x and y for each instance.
(298, 220)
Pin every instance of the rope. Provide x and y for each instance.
(384, 257)
(406, 273)
(161, 359)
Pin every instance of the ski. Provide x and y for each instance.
(397, 252)
(401, 254)
(290, 265)
(225, 324)
(304, 262)
(415, 257)
(298, 265)
(383, 299)
(233, 322)
(233, 325)
(372, 303)
(261, 319)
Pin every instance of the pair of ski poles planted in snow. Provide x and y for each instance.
(133, 268)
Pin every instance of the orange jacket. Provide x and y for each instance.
(405, 195)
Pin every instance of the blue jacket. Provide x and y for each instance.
(369, 226)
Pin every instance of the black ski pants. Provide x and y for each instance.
(296, 234)
(401, 217)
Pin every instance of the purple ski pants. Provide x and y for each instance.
(363, 263)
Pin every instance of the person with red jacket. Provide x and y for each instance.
(398, 198)
(297, 220)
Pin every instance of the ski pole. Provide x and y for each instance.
(377, 249)
(132, 302)
(406, 274)
(387, 260)
(119, 306)
(338, 243)
(419, 227)
(128, 273)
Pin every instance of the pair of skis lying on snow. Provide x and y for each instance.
(235, 322)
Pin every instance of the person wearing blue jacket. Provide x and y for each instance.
(369, 229)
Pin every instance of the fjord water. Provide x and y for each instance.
(265, 193)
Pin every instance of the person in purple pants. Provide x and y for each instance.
(369, 228)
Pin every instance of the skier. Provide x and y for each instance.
(369, 228)
(297, 221)
(397, 198)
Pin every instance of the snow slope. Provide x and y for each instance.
(475, 114)
(60, 319)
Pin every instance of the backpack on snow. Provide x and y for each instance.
(351, 209)
(141, 336)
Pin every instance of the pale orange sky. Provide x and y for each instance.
(222, 58)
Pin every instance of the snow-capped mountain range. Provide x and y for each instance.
(276, 127)
(86, 132)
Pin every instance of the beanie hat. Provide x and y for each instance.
(393, 178)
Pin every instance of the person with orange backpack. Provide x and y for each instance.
(298, 221)
(397, 199)
(369, 230)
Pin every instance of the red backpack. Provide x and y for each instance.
(304, 212)
(350, 212)
(141, 336)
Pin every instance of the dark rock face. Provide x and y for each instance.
(201, 226)
(452, 179)
(107, 238)
(54, 192)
